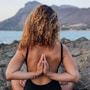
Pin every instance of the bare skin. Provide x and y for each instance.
(41, 66)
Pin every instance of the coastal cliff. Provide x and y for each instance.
(80, 50)
(69, 17)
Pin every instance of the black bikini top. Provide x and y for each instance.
(60, 60)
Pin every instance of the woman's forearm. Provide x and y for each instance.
(20, 75)
(63, 77)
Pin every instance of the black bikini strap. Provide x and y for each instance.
(61, 53)
(26, 57)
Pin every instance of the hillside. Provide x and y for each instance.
(67, 15)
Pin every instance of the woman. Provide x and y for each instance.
(42, 52)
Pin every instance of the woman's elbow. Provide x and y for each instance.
(8, 75)
(76, 77)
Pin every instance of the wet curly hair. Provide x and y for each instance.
(41, 28)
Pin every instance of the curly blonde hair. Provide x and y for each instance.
(41, 28)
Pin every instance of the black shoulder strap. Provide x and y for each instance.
(26, 58)
(61, 52)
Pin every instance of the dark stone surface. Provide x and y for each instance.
(80, 50)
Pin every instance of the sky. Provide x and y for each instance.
(9, 8)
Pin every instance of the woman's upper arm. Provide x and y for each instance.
(68, 62)
(16, 62)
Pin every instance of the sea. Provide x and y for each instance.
(8, 37)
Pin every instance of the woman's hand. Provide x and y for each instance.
(22, 82)
(43, 66)
(46, 68)
(40, 66)
(63, 83)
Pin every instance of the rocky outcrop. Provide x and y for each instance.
(80, 50)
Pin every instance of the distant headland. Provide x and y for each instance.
(70, 17)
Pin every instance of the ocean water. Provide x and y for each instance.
(8, 37)
(73, 35)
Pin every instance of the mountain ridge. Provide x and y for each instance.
(67, 15)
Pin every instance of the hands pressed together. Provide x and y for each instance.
(43, 66)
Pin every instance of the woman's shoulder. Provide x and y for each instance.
(63, 46)
(59, 45)
(66, 51)
(22, 51)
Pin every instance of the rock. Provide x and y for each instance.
(1, 88)
(80, 50)
(10, 55)
(64, 40)
(3, 63)
(76, 52)
(82, 39)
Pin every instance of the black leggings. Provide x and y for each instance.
(53, 85)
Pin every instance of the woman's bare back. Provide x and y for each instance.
(52, 56)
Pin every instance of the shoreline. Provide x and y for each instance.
(61, 30)
(8, 43)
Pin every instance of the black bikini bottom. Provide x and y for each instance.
(53, 85)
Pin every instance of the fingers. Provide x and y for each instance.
(43, 65)
(40, 61)
(46, 65)
(45, 61)
(42, 58)
(22, 82)
(40, 66)
(44, 69)
(63, 83)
